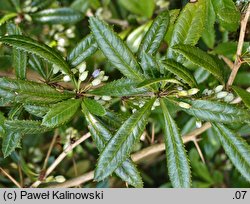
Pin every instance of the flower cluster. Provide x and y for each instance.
(219, 93)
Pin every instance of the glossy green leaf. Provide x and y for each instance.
(149, 82)
(94, 107)
(40, 4)
(31, 46)
(200, 58)
(149, 66)
(2, 128)
(20, 63)
(61, 113)
(11, 141)
(83, 50)
(80, 5)
(57, 16)
(177, 161)
(180, 71)
(21, 91)
(201, 75)
(120, 87)
(36, 110)
(25, 126)
(19, 57)
(236, 148)
(140, 7)
(208, 35)
(189, 25)
(37, 65)
(115, 50)
(215, 111)
(227, 14)
(243, 94)
(119, 147)
(101, 135)
(173, 14)
(154, 36)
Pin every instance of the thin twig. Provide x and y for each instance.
(11, 178)
(50, 149)
(136, 157)
(229, 63)
(238, 61)
(199, 150)
(61, 157)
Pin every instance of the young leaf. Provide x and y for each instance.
(11, 141)
(177, 161)
(154, 36)
(119, 147)
(61, 113)
(29, 45)
(25, 126)
(189, 25)
(94, 107)
(140, 7)
(115, 50)
(243, 94)
(58, 16)
(36, 110)
(19, 57)
(215, 111)
(83, 50)
(21, 91)
(227, 13)
(236, 148)
(200, 58)
(120, 87)
(149, 82)
(180, 71)
(101, 135)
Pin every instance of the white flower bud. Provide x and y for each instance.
(97, 98)
(179, 88)
(210, 92)
(60, 179)
(193, 91)
(156, 103)
(123, 109)
(205, 92)
(55, 69)
(27, 17)
(66, 78)
(184, 105)
(221, 94)
(218, 89)
(83, 76)
(96, 73)
(34, 9)
(182, 93)
(134, 110)
(106, 98)
(61, 42)
(82, 67)
(96, 82)
(198, 124)
(229, 97)
(105, 78)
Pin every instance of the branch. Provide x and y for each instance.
(61, 157)
(238, 61)
(10, 177)
(136, 157)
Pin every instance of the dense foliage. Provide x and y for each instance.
(141, 77)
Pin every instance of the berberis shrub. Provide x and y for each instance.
(140, 77)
